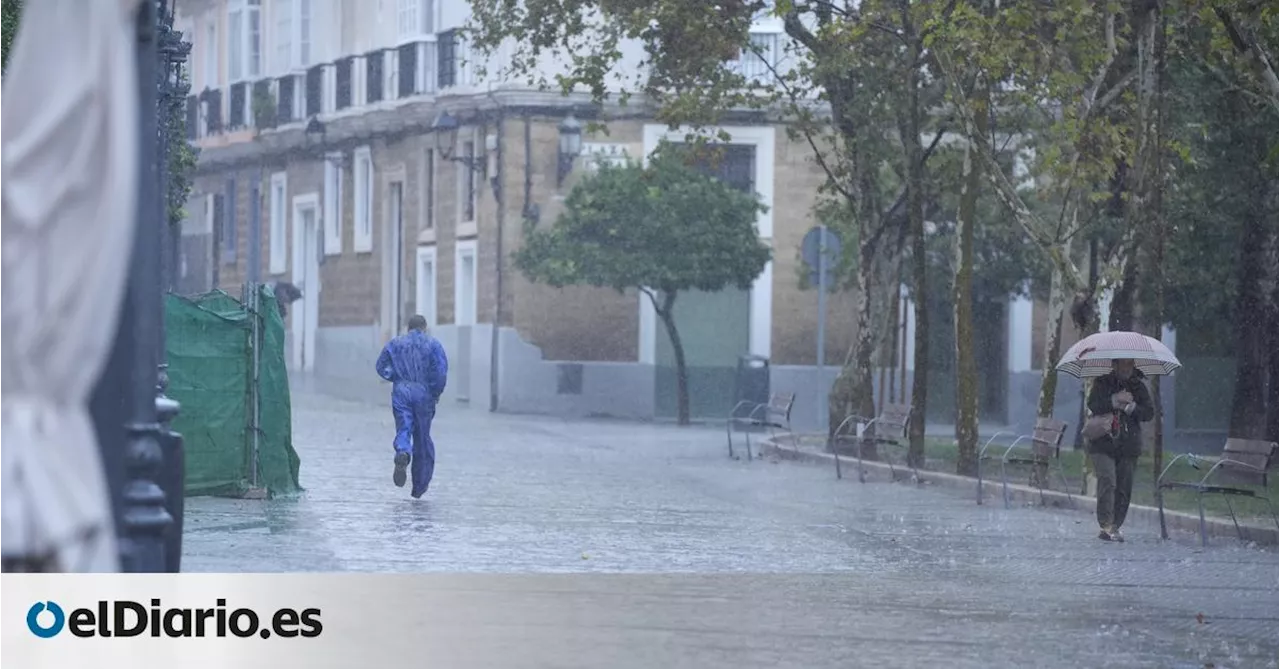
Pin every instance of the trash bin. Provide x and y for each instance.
(751, 383)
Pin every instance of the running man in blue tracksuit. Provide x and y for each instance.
(416, 364)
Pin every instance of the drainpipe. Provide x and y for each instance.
(528, 168)
(499, 197)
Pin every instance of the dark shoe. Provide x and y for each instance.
(1104, 535)
(399, 475)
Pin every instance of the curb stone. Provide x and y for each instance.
(1024, 495)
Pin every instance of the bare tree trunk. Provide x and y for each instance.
(682, 372)
(1085, 316)
(887, 333)
(895, 316)
(1052, 340)
(913, 151)
(852, 392)
(1052, 351)
(1122, 313)
(1273, 330)
(966, 365)
(1273, 364)
(902, 352)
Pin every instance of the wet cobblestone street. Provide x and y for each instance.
(907, 576)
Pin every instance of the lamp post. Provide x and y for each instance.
(570, 147)
(448, 124)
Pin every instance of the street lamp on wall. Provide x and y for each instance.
(316, 128)
(448, 124)
(570, 146)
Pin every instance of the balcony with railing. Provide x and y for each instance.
(349, 85)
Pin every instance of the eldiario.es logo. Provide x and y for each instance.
(124, 618)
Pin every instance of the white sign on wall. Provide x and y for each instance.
(598, 152)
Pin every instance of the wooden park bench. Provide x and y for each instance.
(1041, 449)
(774, 415)
(887, 429)
(1242, 471)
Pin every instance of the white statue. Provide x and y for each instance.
(70, 170)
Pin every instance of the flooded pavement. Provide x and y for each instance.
(891, 574)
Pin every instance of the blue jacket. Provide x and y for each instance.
(415, 358)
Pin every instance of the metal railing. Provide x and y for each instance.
(405, 72)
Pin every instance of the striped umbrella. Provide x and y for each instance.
(1092, 355)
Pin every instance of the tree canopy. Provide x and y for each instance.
(661, 227)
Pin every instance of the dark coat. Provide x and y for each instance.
(286, 294)
(1127, 441)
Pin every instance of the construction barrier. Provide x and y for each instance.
(227, 369)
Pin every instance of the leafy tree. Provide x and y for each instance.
(847, 79)
(1057, 78)
(1243, 55)
(182, 155)
(659, 229)
(1221, 269)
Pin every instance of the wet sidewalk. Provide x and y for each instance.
(937, 575)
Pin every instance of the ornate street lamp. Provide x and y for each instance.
(317, 129)
(570, 146)
(446, 124)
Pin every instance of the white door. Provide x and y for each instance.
(306, 275)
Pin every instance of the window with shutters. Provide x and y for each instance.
(446, 58)
(239, 103)
(373, 62)
(344, 81)
(286, 94)
(315, 90)
(408, 66)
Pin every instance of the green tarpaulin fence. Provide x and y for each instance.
(210, 346)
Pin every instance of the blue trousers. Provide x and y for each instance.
(414, 410)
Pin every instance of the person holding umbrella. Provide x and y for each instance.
(1123, 396)
(1118, 403)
